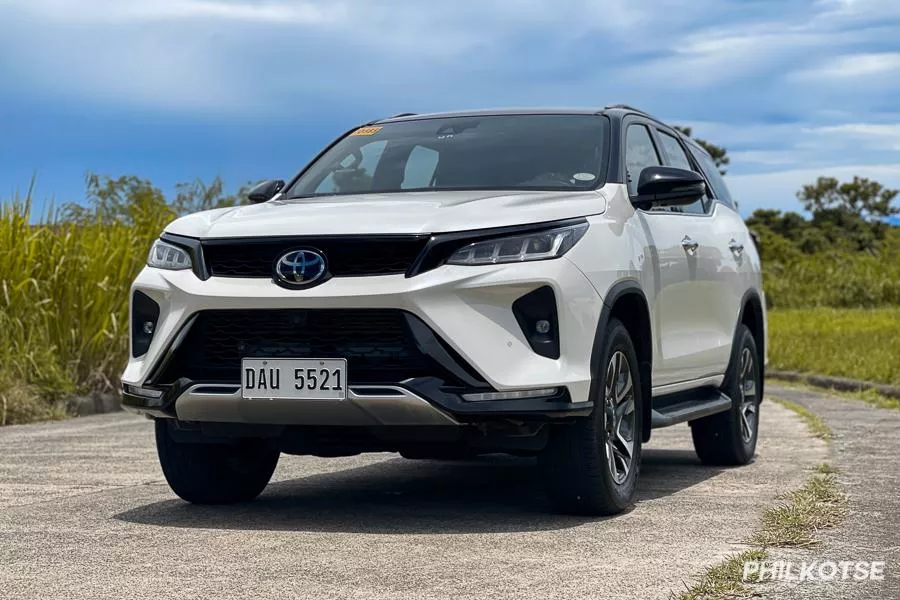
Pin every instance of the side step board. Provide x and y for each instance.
(687, 406)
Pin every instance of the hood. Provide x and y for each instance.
(405, 212)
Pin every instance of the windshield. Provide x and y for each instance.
(514, 152)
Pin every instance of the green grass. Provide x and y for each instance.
(724, 580)
(819, 504)
(856, 343)
(816, 425)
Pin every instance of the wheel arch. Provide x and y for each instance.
(752, 315)
(627, 302)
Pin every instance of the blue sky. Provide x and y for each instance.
(172, 90)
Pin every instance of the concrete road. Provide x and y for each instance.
(865, 449)
(85, 513)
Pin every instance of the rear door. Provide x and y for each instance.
(739, 273)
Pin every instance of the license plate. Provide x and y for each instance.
(294, 378)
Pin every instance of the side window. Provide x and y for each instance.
(719, 189)
(640, 153)
(419, 168)
(678, 158)
(676, 154)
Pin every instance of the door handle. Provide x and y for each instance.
(738, 249)
(689, 245)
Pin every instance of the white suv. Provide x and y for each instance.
(553, 283)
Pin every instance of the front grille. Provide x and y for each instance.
(377, 344)
(347, 256)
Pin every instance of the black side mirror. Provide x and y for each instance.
(265, 190)
(668, 186)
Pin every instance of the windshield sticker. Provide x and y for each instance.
(366, 131)
(584, 177)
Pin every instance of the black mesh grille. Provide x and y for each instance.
(377, 343)
(346, 256)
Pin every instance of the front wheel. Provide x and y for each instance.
(591, 466)
(211, 473)
(729, 438)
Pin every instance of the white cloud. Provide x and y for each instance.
(853, 66)
(98, 11)
(877, 136)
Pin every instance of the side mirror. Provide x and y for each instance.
(668, 186)
(265, 190)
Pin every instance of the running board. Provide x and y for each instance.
(687, 406)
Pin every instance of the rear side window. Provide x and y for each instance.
(719, 189)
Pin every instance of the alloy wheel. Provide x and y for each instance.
(748, 401)
(619, 417)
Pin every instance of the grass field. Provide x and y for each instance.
(857, 343)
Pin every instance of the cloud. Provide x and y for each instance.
(853, 66)
(876, 136)
(118, 11)
(795, 86)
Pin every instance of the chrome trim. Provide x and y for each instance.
(366, 405)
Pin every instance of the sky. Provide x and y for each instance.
(174, 90)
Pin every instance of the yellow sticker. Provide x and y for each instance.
(366, 131)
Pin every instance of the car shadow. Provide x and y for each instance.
(493, 494)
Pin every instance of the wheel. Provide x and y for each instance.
(729, 438)
(214, 473)
(591, 466)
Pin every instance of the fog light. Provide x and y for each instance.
(515, 395)
(148, 327)
(536, 314)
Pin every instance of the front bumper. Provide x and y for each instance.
(469, 308)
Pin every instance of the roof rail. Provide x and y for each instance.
(626, 107)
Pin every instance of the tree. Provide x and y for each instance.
(718, 153)
(830, 200)
(126, 200)
(196, 196)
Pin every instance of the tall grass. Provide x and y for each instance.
(64, 301)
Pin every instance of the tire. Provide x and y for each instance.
(577, 473)
(729, 438)
(213, 473)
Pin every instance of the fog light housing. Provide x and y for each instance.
(144, 316)
(512, 395)
(536, 314)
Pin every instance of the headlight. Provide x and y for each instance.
(543, 245)
(167, 256)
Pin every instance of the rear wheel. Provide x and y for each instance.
(591, 466)
(214, 473)
(729, 438)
